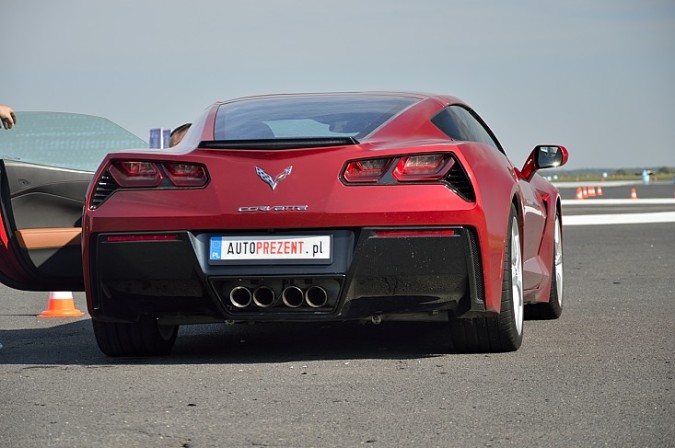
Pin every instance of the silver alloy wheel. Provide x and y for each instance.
(558, 261)
(516, 277)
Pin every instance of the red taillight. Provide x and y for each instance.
(425, 167)
(366, 170)
(411, 168)
(410, 233)
(146, 237)
(186, 174)
(136, 174)
(144, 174)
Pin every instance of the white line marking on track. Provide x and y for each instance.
(656, 201)
(625, 218)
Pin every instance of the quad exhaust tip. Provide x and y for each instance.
(316, 296)
(291, 297)
(241, 297)
(264, 296)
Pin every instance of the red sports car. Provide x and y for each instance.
(306, 207)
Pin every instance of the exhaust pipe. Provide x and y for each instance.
(292, 296)
(240, 297)
(316, 296)
(264, 296)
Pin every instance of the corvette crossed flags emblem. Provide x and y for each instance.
(268, 179)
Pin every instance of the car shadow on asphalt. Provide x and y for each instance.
(73, 343)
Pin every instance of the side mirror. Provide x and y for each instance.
(549, 156)
(544, 156)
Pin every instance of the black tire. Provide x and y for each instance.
(553, 308)
(143, 338)
(502, 332)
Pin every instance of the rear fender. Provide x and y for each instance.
(496, 189)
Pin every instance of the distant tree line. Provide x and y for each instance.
(663, 173)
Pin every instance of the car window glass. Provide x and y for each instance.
(460, 124)
(473, 128)
(306, 116)
(64, 140)
(293, 128)
(449, 124)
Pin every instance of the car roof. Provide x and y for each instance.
(394, 93)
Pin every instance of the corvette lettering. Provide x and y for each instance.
(273, 208)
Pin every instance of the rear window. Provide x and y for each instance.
(64, 140)
(306, 116)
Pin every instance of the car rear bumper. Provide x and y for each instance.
(372, 271)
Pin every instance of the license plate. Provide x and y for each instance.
(267, 249)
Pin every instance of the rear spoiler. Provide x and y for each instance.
(278, 143)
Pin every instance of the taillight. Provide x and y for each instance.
(412, 233)
(425, 167)
(406, 168)
(136, 174)
(186, 174)
(144, 174)
(144, 237)
(366, 170)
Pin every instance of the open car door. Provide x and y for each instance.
(46, 163)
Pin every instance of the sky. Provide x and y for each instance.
(595, 76)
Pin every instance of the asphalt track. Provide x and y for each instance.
(602, 375)
(653, 203)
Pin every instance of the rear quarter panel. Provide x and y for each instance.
(494, 178)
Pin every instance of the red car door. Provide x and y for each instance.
(46, 163)
(40, 229)
(539, 205)
(534, 270)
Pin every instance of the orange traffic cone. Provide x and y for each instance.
(61, 304)
(580, 193)
(599, 191)
(591, 192)
(584, 192)
(633, 193)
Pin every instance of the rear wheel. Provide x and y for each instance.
(503, 332)
(143, 338)
(553, 308)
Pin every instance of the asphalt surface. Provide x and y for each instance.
(601, 375)
(619, 190)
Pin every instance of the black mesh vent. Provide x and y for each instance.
(105, 186)
(459, 182)
(476, 265)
